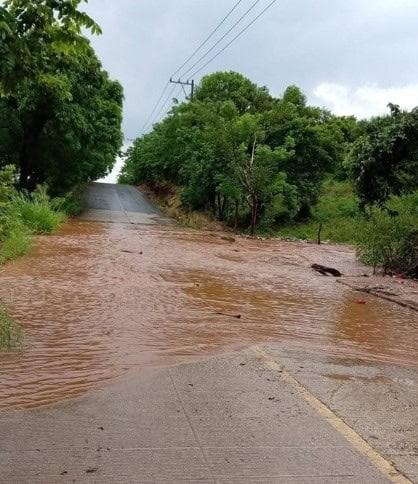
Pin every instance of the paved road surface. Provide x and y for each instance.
(262, 415)
(107, 202)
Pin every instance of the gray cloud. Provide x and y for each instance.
(303, 42)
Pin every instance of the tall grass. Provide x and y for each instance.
(38, 212)
(23, 214)
(17, 243)
(337, 211)
(10, 331)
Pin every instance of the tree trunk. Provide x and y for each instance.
(218, 199)
(254, 208)
(319, 234)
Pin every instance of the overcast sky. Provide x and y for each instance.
(351, 56)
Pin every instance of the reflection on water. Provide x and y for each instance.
(96, 301)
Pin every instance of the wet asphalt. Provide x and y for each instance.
(107, 202)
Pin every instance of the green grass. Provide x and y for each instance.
(10, 331)
(38, 212)
(39, 218)
(17, 243)
(337, 210)
(23, 215)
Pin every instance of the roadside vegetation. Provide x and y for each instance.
(60, 118)
(278, 166)
(60, 122)
(23, 214)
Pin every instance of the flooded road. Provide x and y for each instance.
(97, 300)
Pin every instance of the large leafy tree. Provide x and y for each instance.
(305, 132)
(33, 32)
(66, 118)
(233, 86)
(240, 153)
(384, 161)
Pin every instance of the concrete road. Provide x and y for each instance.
(261, 415)
(240, 418)
(107, 202)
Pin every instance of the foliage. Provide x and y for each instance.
(337, 211)
(246, 96)
(29, 27)
(60, 114)
(390, 239)
(384, 161)
(17, 242)
(37, 211)
(72, 203)
(23, 214)
(10, 331)
(206, 148)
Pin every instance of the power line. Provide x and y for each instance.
(151, 118)
(175, 96)
(199, 48)
(235, 38)
(155, 107)
(158, 115)
(222, 38)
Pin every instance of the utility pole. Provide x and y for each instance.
(185, 83)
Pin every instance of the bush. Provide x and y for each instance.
(38, 212)
(22, 214)
(72, 204)
(389, 237)
(337, 211)
(17, 243)
(10, 331)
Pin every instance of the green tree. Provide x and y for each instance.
(232, 86)
(206, 148)
(305, 133)
(384, 161)
(28, 26)
(64, 111)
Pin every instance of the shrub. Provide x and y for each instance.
(38, 212)
(389, 237)
(10, 331)
(22, 214)
(72, 204)
(17, 243)
(337, 211)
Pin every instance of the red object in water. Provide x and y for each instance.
(361, 301)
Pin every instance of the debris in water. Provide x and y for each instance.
(91, 470)
(237, 316)
(325, 271)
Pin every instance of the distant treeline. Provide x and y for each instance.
(254, 160)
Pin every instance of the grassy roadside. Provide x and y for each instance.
(384, 237)
(23, 215)
(337, 212)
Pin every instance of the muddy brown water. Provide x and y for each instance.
(98, 300)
